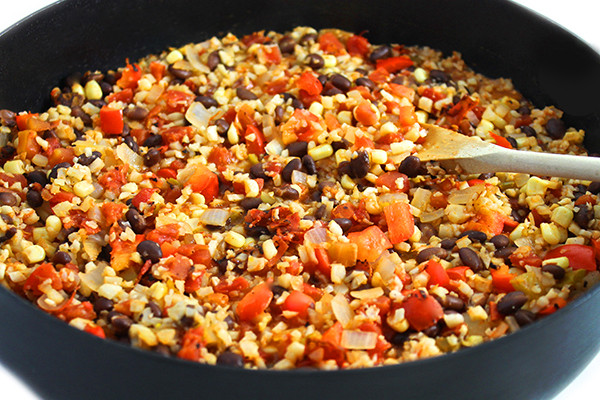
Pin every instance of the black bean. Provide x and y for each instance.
(331, 91)
(213, 60)
(297, 149)
(207, 101)
(121, 324)
(131, 143)
(248, 203)
(455, 303)
(308, 38)
(178, 73)
(7, 219)
(155, 309)
(360, 165)
(277, 290)
(245, 94)
(9, 234)
(344, 223)
(222, 127)
(557, 272)
(432, 331)
(524, 110)
(594, 187)
(257, 231)
(584, 215)
(257, 171)
(500, 241)
(555, 128)
(8, 199)
(103, 304)
(399, 338)
(84, 159)
(163, 350)
(339, 145)
(54, 171)
(136, 113)
(448, 243)
(153, 141)
(431, 252)
(309, 165)
(34, 198)
(471, 259)
(288, 193)
(106, 88)
(427, 231)
(286, 45)
(297, 104)
(230, 322)
(321, 211)
(105, 253)
(136, 221)
(8, 117)
(439, 76)
(230, 359)
(37, 177)
(315, 61)
(528, 130)
(366, 82)
(511, 302)
(504, 252)
(524, 317)
(295, 164)
(340, 82)
(410, 166)
(513, 142)
(78, 112)
(380, 52)
(152, 157)
(474, 236)
(149, 250)
(323, 79)
(485, 176)
(61, 257)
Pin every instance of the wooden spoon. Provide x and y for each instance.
(474, 155)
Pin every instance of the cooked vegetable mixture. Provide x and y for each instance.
(254, 202)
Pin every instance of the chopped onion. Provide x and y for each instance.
(214, 217)
(128, 156)
(298, 177)
(316, 235)
(389, 198)
(193, 56)
(371, 293)
(341, 309)
(466, 195)
(432, 216)
(154, 93)
(198, 115)
(358, 340)
(47, 304)
(386, 265)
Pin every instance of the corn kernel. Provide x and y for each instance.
(422, 116)
(330, 61)
(174, 56)
(232, 134)
(251, 188)
(34, 254)
(316, 108)
(14, 167)
(404, 146)
(320, 152)
(235, 239)
(53, 225)
(387, 128)
(562, 262)
(347, 182)
(83, 188)
(421, 75)
(537, 186)
(93, 91)
(77, 88)
(345, 117)
(338, 273)
(379, 156)
(550, 233)
(269, 249)
(453, 320)
(425, 103)
(562, 216)
(477, 313)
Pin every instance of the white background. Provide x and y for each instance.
(578, 16)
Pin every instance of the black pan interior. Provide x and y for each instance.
(495, 37)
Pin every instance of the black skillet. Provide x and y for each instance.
(498, 38)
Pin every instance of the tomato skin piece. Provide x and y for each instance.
(95, 330)
(389, 179)
(458, 273)
(400, 221)
(365, 114)
(125, 95)
(357, 45)
(501, 141)
(157, 70)
(580, 256)
(394, 64)
(437, 274)
(143, 196)
(130, 77)
(111, 120)
(298, 302)
(28, 144)
(254, 302)
(329, 43)
(41, 274)
(205, 182)
(257, 145)
(371, 242)
(309, 83)
(421, 310)
(555, 304)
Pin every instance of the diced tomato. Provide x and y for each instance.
(192, 344)
(164, 233)
(113, 212)
(580, 256)
(157, 70)
(255, 140)
(254, 302)
(71, 311)
(120, 255)
(198, 253)
(113, 179)
(272, 54)
(168, 249)
(488, 221)
(357, 45)
(380, 75)
(431, 93)
(40, 275)
(555, 304)
(371, 242)
(238, 284)
(406, 115)
(276, 87)
(392, 180)
(60, 155)
(130, 77)
(402, 91)
(501, 278)
(313, 292)
(437, 274)
(176, 134)
(365, 114)
(329, 43)
(205, 182)
(394, 64)
(363, 142)
(11, 179)
(525, 256)
(95, 330)
(193, 281)
(22, 119)
(298, 302)
(143, 196)
(323, 263)
(255, 37)
(309, 83)
(221, 157)
(333, 335)
(400, 221)
(458, 273)
(459, 111)
(302, 125)
(421, 310)
(178, 266)
(60, 197)
(585, 199)
(125, 95)
(501, 141)
(167, 173)
(178, 101)
(111, 120)
(28, 144)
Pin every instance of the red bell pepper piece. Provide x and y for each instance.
(394, 64)
(421, 310)
(111, 120)
(437, 274)
(400, 221)
(254, 302)
(580, 256)
(298, 302)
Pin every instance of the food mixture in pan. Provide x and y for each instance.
(255, 202)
